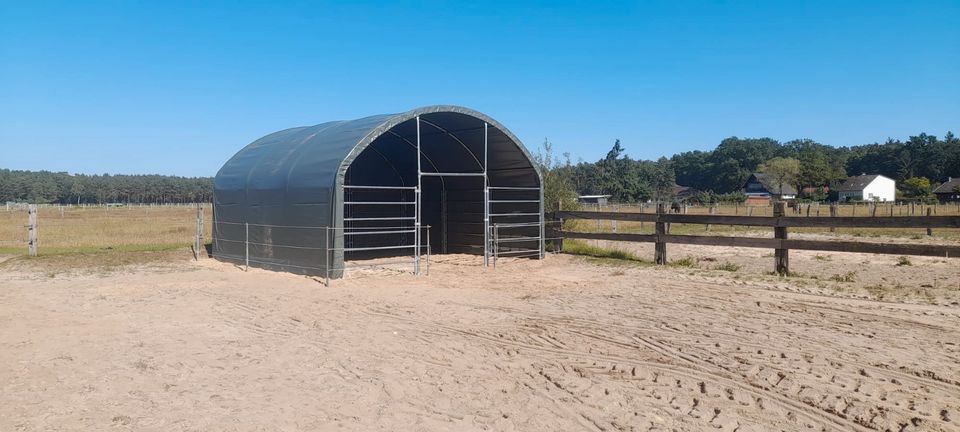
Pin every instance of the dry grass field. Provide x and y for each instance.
(91, 229)
(115, 327)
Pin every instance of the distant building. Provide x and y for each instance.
(594, 199)
(873, 187)
(761, 189)
(949, 191)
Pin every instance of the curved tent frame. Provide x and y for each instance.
(280, 202)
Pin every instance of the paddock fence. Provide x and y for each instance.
(320, 241)
(52, 228)
(779, 221)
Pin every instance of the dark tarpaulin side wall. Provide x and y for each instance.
(294, 178)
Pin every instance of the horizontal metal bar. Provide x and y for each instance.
(242, 259)
(516, 225)
(227, 223)
(513, 188)
(382, 218)
(517, 239)
(440, 174)
(286, 246)
(288, 226)
(526, 253)
(530, 251)
(375, 248)
(379, 232)
(515, 201)
(225, 240)
(380, 187)
(380, 202)
(377, 228)
(514, 214)
(379, 264)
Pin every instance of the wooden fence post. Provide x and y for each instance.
(560, 236)
(929, 230)
(713, 210)
(833, 213)
(781, 256)
(660, 247)
(32, 229)
(198, 241)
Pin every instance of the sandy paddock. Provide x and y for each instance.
(563, 344)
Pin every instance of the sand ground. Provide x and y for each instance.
(914, 279)
(562, 344)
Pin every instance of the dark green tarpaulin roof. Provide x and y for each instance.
(293, 177)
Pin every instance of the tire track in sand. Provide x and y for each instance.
(693, 372)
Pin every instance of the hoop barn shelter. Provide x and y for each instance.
(310, 199)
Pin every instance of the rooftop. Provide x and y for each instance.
(857, 183)
(951, 185)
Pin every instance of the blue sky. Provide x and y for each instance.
(178, 87)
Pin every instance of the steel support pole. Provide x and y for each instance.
(327, 256)
(416, 234)
(496, 244)
(486, 201)
(443, 221)
(246, 246)
(428, 250)
(542, 245)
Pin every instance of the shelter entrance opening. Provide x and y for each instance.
(387, 191)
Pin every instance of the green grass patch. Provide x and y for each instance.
(576, 247)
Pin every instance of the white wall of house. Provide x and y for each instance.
(880, 189)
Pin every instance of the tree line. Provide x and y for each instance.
(917, 164)
(721, 173)
(43, 187)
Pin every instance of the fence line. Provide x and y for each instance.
(779, 222)
(327, 247)
(897, 208)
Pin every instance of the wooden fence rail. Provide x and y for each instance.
(774, 221)
(779, 222)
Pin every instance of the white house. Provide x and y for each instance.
(594, 199)
(874, 187)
